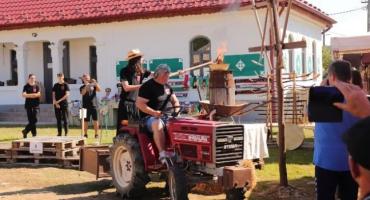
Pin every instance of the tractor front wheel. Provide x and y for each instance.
(127, 167)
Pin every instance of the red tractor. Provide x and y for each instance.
(206, 151)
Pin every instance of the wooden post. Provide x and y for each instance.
(280, 90)
(221, 88)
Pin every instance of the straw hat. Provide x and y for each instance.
(133, 54)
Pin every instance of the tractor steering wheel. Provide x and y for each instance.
(171, 111)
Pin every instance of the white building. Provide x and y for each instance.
(49, 36)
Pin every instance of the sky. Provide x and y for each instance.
(348, 24)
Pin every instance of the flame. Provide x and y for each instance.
(220, 52)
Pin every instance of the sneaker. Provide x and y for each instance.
(96, 136)
(59, 135)
(24, 133)
(85, 136)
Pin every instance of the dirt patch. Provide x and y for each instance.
(34, 183)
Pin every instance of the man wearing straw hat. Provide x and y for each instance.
(131, 78)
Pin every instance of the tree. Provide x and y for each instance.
(326, 58)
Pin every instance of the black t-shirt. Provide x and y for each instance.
(60, 91)
(31, 102)
(156, 93)
(129, 75)
(89, 100)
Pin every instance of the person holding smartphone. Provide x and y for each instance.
(90, 102)
(60, 97)
(31, 93)
(330, 155)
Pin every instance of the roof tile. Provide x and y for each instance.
(31, 13)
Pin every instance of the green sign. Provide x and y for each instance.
(245, 64)
(121, 64)
(175, 64)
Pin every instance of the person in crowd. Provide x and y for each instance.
(330, 154)
(31, 93)
(89, 102)
(357, 140)
(60, 101)
(152, 100)
(356, 78)
(107, 96)
(131, 77)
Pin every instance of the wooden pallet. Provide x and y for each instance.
(5, 153)
(69, 162)
(49, 153)
(58, 143)
(56, 151)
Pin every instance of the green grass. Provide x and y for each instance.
(9, 133)
(300, 173)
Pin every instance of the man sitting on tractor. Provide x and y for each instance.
(152, 100)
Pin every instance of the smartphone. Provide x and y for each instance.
(320, 104)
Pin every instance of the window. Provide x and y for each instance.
(200, 52)
(314, 60)
(304, 54)
(291, 56)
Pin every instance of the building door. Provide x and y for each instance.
(13, 67)
(66, 60)
(48, 73)
(93, 62)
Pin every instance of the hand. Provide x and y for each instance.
(157, 113)
(93, 81)
(356, 101)
(181, 72)
(174, 114)
(57, 106)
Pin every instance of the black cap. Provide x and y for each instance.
(357, 139)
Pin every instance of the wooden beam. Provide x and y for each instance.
(280, 90)
(286, 20)
(288, 45)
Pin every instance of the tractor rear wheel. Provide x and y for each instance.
(176, 183)
(127, 167)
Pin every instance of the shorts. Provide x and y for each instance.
(91, 113)
(148, 121)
